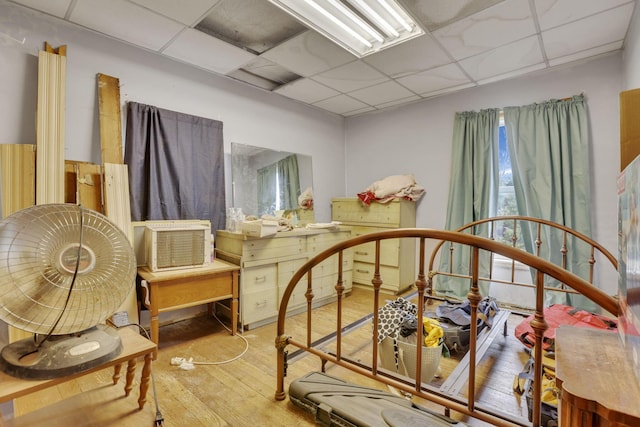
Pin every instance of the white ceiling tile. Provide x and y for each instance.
(552, 13)
(52, 7)
(399, 101)
(197, 48)
(611, 47)
(189, 12)
(488, 29)
(435, 79)
(126, 21)
(451, 89)
(505, 59)
(410, 57)
(306, 90)
(380, 94)
(438, 13)
(341, 104)
(580, 35)
(309, 53)
(350, 77)
(360, 111)
(514, 73)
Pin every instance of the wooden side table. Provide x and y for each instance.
(133, 347)
(176, 289)
(598, 386)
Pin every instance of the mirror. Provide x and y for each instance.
(266, 181)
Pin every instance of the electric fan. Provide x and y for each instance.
(63, 270)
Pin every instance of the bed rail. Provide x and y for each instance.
(371, 369)
(542, 233)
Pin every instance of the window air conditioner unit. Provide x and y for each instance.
(177, 245)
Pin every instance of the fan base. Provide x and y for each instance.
(61, 355)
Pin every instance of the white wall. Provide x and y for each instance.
(416, 139)
(631, 54)
(250, 116)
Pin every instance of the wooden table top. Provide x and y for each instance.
(217, 266)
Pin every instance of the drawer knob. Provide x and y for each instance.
(362, 253)
(259, 279)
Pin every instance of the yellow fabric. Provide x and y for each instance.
(549, 390)
(433, 332)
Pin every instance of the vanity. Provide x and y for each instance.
(268, 263)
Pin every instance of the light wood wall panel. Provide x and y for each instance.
(117, 208)
(50, 121)
(18, 174)
(110, 119)
(83, 184)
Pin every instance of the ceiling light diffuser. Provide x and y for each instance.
(360, 26)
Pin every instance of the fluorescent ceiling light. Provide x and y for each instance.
(360, 26)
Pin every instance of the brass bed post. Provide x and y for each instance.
(421, 285)
(339, 290)
(474, 298)
(377, 283)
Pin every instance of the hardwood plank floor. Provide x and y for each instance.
(241, 393)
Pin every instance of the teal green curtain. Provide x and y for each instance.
(267, 187)
(473, 189)
(289, 180)
(549, 148)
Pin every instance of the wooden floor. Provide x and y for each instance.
(241, 392)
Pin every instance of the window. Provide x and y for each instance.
(506, 193)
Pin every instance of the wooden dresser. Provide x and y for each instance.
(397, 258)
(268, 263)
(596, 379)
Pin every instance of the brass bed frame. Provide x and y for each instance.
(424, 284)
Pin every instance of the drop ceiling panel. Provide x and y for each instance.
(435, 79)
(580, 35)
(488, 29)
(204, 51)
(307, 90)
(381, 94)
(126, 21)
(552, 13)
(188, 12)
(434, 14)
(350, 77)
(53, 7)
(504, 59)
(270, 70)
(342, 104)
(256, 25)
(411, 57)
(309, 53)
(600, 50)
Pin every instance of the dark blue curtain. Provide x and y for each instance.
(176, 165)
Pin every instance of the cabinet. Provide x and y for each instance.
(397, 256)
(268, 263)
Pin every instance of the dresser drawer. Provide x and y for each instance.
(258, 278)
(389, 248)
(270, 248)
(352, 211)
(319, 242)
(330, 266)
(363, 273)
(259, 305)
(286, 270)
